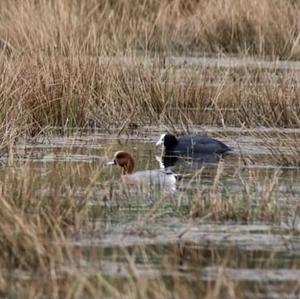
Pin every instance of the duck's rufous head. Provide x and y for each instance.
(124, 160)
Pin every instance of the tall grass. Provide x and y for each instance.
(46, 218)
(230, 26)
(49, 223)
(61, 64)
(76, 92)
(102, 63)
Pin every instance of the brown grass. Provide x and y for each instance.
(106, 64)
(64, 73)
(85, 91)
(230, 26)
(42, 216)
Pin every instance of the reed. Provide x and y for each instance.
(106, 64)
(265, 28)
(88, 92)
(46, 218)
(43, 216)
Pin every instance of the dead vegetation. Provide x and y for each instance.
(86, 91)
(69, 72)
(105, 64)
(46, 218)
(264, 28)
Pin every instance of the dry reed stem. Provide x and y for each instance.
(66, 74)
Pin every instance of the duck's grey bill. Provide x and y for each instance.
(112, 162)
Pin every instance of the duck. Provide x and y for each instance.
(161, 177)
(192, 145)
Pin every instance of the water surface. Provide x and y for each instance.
(261, 256)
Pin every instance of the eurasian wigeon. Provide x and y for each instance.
(161, 177)
(191, 145)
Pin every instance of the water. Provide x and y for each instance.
(261, 255)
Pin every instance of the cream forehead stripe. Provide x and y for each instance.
(161, 139)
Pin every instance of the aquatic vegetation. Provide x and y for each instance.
(78, 69)
(266, 28)
(71, 71)
(69, 228)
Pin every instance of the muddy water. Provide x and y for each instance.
(261, 257)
